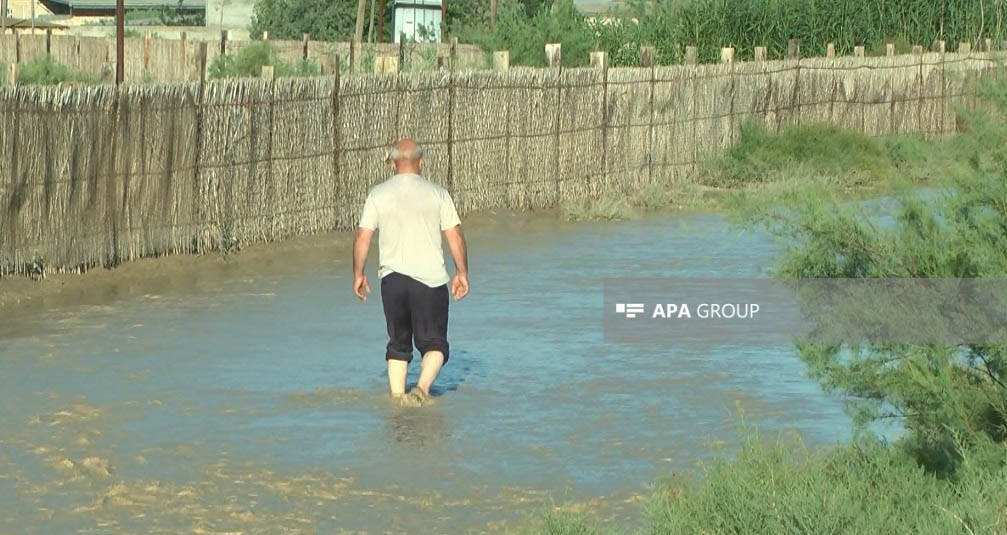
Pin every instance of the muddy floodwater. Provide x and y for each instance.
(252, 398)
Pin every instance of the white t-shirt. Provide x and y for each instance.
(411, 212)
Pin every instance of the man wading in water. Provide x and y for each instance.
(411, 213)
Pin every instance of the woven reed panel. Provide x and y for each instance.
(422, 103)
(713, 110)
(32, 46)
(533, 121)
(57, 183)
(580, 133)
(816, 91)
(97, 56)
(235, 163)
(155, 172)
(367, 117)
(674, 147)
(304, 193)
(480, 131)
(753, 93)
(629, 118)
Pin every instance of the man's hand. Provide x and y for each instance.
(459, 285)
(362, 288)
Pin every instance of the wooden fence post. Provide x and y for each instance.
(830, 50)
(599, 60)
(917, 50)
(964, 47)
(987, 45)
(304, 47)
(201, 60)
(452, 51)
(890, 49)
(402, 49)
(858, 51)
(223, 42)
(553, 55)
(182, 58)
(794, 49)
(354, 55)
(337, 147)
(760, 53)
(146, 52)
(940, 46)
(727, 55)
(647, 62)
(501, 60)
(647, 57)
(267, 72)
(691, 55)
(12, 74)
(48, 42)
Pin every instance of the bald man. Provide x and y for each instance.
(410, 213)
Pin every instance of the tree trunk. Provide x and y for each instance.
(358, 32)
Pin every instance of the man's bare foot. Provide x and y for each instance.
(420, 397)
(406, 400)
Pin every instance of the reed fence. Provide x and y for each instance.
(96, 175)
(149, 59)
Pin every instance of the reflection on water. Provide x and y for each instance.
(257, 402)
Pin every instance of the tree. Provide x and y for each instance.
(321, 19)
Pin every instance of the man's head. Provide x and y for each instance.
(406, 156)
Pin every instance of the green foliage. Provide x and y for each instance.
(860, 488)
(321, 19)
(525, 35)
(162, 16)
(711, 24)
(248, 62)
(761, 155)
(948, 398)
(46, 71)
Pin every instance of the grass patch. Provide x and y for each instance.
(46, 71)
(248, 63)
(858, 488)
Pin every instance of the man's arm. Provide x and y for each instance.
(361, 245)
(459, 252)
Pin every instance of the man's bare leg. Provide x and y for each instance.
(432, 362)
(397, 370)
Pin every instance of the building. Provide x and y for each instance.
(107, 7)
(417, 20)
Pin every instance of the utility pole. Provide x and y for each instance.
(120, 35)
(444, 21)
(381, 21)
(358, 32)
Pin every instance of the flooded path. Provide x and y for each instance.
(255, 401)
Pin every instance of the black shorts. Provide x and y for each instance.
(414, 311)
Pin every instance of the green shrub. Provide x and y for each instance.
(248, 62)
(946, 397)
(46, 71)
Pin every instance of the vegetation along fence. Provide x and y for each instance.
(150, 59)
(94, 175)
